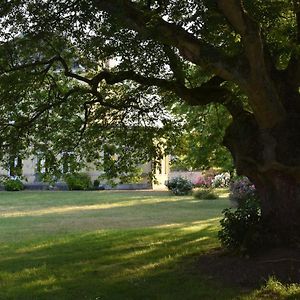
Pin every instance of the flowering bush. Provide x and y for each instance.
(203, 182)
(180, 186)
(241, 190)
(221, 180)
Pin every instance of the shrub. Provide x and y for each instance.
(221, 180)
(78, 181)
(13, 185)
(180, 186)
(241, 190)
(205, 194)
(241, 229)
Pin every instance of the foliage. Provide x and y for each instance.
(78, 181)
(70, 126)
(241, 229)
(206, 194)
(274, 289)
(118, 165)
(241, 190)
(199, 141)
(180, 186)
(221, 180)
(13, 184)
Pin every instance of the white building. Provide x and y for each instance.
(30, 169)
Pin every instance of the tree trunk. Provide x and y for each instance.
(270, 158)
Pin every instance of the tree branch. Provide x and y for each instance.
(261, 90)
(70, 74)
(175, 64)
(249, 30)
(48, 63)
(151, 25)
(250, 72)
(202, 95)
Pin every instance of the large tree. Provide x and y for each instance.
(243, 55)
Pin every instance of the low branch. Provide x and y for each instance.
(206, 93)
(202, 95)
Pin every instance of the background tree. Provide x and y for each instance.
(247, 52)
(199, 141)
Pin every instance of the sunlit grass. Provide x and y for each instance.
(276, 291)
(108, 245)
(32, 215)
(20, 212)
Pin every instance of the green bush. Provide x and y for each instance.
(241, 229)
(180, 186)
(78, 181)
(206, 194)
(13, 185)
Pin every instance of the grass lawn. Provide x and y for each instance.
(110, 245)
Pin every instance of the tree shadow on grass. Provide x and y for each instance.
(281, 263)
(131, 264)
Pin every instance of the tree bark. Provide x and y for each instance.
(271, 160)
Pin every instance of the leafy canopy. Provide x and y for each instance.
(79, 76)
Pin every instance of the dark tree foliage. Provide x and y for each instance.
(57, 91)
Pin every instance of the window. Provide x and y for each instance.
(15, 166)
(68, 161)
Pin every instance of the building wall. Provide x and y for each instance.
(192, 176)
(30, 170)
(162, 174)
